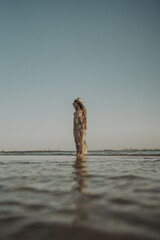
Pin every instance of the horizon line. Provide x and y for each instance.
(110, 149)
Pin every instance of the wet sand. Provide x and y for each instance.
(61, 197)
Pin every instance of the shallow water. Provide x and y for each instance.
(59, 197)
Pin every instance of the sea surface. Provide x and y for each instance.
(48, 196)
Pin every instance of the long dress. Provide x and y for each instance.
(79, 132)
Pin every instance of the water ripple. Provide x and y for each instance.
(61, 197)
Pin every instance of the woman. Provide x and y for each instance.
(80, 127)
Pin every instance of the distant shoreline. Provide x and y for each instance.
(123, 152)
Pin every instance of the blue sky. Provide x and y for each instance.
(107, 52)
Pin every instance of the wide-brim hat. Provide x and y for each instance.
(79, 100)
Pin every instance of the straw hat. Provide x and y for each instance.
(79, 100)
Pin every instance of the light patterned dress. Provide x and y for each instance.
(79, 132)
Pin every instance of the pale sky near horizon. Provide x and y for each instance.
(106, 51)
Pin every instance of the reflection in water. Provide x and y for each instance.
(81, 202)
(81, 172)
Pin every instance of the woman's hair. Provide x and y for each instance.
(84, 110)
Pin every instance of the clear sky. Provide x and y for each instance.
(106, 51)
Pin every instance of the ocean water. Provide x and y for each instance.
(61, 197)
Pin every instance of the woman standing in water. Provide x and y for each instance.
(80, 127)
